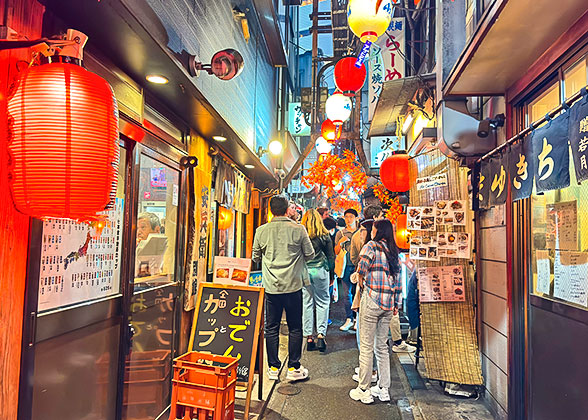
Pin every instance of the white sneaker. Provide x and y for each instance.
(348, 324)
(356, 376)
(381, 393)
(297, 374)
(365, 397)
(273, 373)
(403, 348)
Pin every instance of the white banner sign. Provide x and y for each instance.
(296, 124)
(383, 146)
(428, 182)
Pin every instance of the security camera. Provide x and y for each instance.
(225, 64)
(490, 124)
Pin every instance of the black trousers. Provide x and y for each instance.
(274, 306)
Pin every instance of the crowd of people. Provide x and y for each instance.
(301, 258)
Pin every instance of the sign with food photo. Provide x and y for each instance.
(450, 212)
(441, 284)
(421, 218)
(454, 244)
(231, 270)
(423, 246)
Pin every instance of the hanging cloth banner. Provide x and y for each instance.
(484, 181)
(578, 132)
(498, 177)
(551, 154)
(520, 168)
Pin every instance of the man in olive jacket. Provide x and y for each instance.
(283, 246)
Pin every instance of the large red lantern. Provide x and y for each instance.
(394, 172)
(225, 218)
(402, 234)
(62, 142)
(349, 78)
(329, 131)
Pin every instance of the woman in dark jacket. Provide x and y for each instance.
(316, 294)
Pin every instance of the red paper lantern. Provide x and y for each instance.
(402, 234)
(225, 218)
(349, 78)
(329, 131)
(62, 142)
(394, 172)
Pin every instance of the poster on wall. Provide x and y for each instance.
(441, 284)
(543, 271)
(421, 218)
(562, 226)
(570, 277)
(234, 271)
(454, 244)
(423, 246)
(450, 212)
(78, 263)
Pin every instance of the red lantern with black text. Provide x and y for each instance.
(329, 131)
(402, 234)
(349, 78)
(62, 142)
(394, 172)
(225, 218)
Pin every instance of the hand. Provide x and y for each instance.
(395, 311)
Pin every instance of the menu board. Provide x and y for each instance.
(420, 218)
(562, 226)
(229, 270)
(441, 284)
(454, 244)
(543, 271)
(79, 263)
(450, 212)
(570, 277)
(423, 246)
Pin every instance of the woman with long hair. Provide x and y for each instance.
(381, 294)
(316, 294)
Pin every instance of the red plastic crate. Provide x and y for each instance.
(203, 387)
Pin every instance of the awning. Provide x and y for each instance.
(511, 36)
(393, 102)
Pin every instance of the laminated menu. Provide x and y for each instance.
(450, 212)
(562, 226)
(543, 271)
(420, 218)
(441, 284)
(570, 277)
(454, 244)
(423, 246)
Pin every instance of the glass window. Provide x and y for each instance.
(156, 224)
(575, 78)
(544, 103)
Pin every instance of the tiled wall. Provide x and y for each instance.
(203, 27)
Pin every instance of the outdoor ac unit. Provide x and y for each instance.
(458, 132)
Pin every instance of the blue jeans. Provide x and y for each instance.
(316, 295)
(346, 279)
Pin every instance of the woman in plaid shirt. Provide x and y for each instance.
(381, 292)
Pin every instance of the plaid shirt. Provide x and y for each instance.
(384, 289)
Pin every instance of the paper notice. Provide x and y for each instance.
(454, 244)
(562, 226)
(423, 246)
(571, 277)
(543, 271)
(441, 284)
(450, 212)
(421, 218)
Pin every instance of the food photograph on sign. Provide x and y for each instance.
(450, 212)
(423, 246)
(231, 270)
(421, 218)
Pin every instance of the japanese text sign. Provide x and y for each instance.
(551, 155)
(227, 322)
(382, 147)
(520, 167)
(578, 132)
(296, 124)
(498, 181)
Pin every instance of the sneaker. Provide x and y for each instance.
(357, 394)
(356, 376)
(403, 348)
(381, 393)
(321, 344)
(348, 324)
(273, 373)
(297, 374)
(355, 325)
(329, 322)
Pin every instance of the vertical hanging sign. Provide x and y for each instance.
(578, 132)
(551, 155)
(520, 168)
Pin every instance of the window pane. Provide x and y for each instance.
(544, 103)
(156, 224)
(575, 78)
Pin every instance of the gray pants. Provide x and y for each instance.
(316, 295)
(374, 324)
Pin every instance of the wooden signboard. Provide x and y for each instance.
(228, 322)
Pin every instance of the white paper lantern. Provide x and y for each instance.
(338, 108)
(323, 147)
(365, 21)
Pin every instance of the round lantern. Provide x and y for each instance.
(225, 218)
(369, 19)
(349, 78)
(329, 131)
(402, 234)
(323, 147)
(394, 172)
(62, 142)
(338, 108)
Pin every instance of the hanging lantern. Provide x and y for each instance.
(394, 172)
(329, 131)
(369, 19)
(348, 77)
(323, 147)
(62, 142)
(225, 218)
(338, 108)
(402, 234)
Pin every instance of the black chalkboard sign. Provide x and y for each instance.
(227, 320)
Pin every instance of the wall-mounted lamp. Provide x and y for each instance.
(274, 148)
(407, 123)
(225, 64)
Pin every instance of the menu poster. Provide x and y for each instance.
(233, 271)
(421, 218)
(543, 271)
(423, 246)
(450, 212)
(562, 226)
(454, 244)
(77, 262)
(570, 277)
(441, 284)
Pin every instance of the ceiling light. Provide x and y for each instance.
(249, 166)
(219, 138)
(157, 79)
(407, 123)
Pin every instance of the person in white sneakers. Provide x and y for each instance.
(381, 292)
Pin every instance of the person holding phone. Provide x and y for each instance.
(343, 244)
